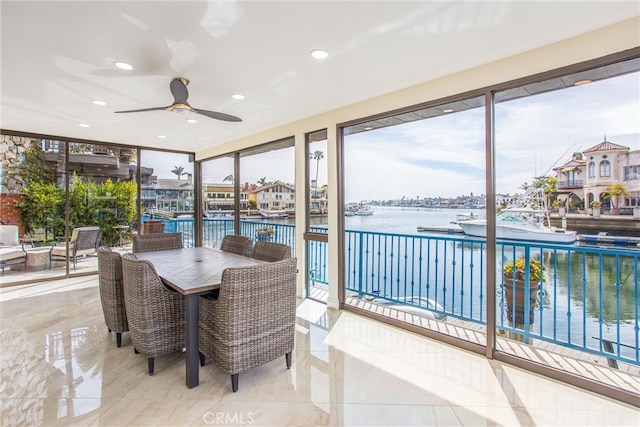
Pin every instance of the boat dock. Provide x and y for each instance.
(604, 239)
(448, 229)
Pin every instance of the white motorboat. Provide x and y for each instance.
(364, 211)
(527, 219)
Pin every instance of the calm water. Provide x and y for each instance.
(399, 220)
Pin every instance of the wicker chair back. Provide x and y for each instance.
(154, 312)
(253, 320)
(112, 291)
(240, 245)
(156, 242)
(271, 251)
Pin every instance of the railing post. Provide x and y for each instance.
(527, 293)
(360, 261)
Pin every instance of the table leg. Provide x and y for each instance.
(193, 366)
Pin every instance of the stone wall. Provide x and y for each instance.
(11, 154)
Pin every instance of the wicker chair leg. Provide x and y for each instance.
(150, 362)
(202, 361)
(118, 339)
(234, 382)
(287, 357)
(136, 351)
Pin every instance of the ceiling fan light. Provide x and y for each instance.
(181, 110)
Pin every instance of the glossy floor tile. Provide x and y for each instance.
(60, 366)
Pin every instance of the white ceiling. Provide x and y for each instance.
(57, 56)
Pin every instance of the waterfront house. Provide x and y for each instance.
(586, 176)
(274, 198)
(389, 65)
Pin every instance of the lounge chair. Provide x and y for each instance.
(84, 241)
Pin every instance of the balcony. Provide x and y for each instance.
(576, 183)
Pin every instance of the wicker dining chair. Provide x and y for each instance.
(156, 242)
(271, 251)
(241, 245)
(112, 292)
(253, 320)
(155, 313)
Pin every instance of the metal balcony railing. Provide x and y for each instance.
(587, 299)
(576, 183)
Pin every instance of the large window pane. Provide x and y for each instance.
(572, 136)
(407, 177)
(167, 192)
(267, 175)
(316, 224)
(218, 200)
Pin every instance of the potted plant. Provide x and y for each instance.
(515, 274)
(265, 233)
(514, 280)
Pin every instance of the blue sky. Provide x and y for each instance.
(445, 156)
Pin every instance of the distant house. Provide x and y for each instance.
(587, 175)
(274, 197)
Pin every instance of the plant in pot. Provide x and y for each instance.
(265, 233)
(514, 280)
(515, 291)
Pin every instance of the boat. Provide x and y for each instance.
(465, 217)
(526, 219)
(359, 209)
(364, 211)
(273, 214)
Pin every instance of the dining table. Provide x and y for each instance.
(193, 272)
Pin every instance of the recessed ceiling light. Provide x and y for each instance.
(161, 136)
(582, 82)
(192, 121)
(448, 110)
(319, 53)
(368, 128)
(123, 65)
(237, 96)
(98, 102)
(84, 125)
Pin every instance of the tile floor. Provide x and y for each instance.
(60, 366)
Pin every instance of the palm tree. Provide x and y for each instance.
(317, 156)
(228, 178)
(613, 192)
(262, 181)
(178, 170)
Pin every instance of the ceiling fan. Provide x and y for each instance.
(178, 87)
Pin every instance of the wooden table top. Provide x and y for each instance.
(194, 270)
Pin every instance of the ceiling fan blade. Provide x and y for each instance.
(218, 116)
(179, 91)
(142, 109)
